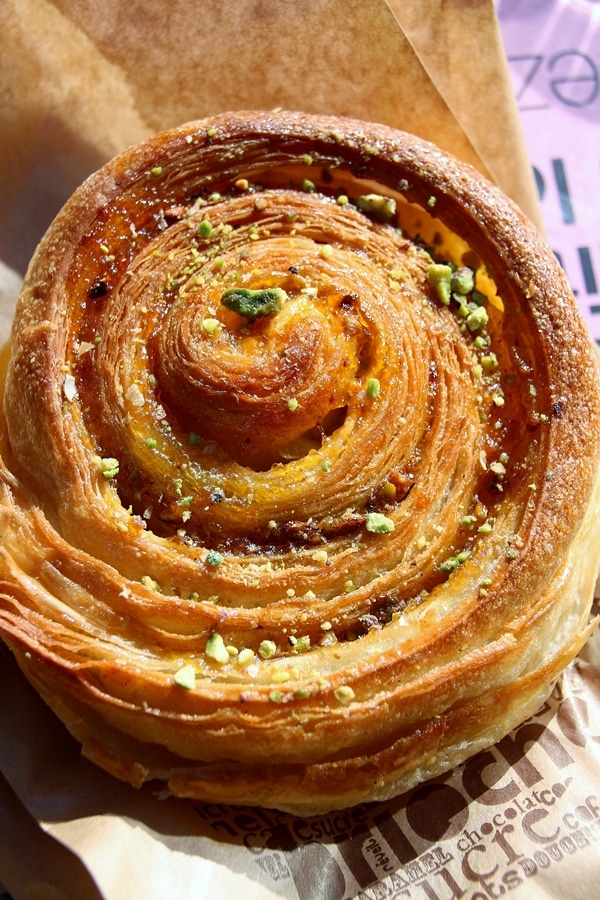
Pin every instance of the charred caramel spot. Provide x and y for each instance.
(97, 290)
(349, 302)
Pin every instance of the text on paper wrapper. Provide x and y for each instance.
(460, 837)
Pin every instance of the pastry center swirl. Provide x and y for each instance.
(256, 386)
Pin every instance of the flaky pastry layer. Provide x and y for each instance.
(300, 453)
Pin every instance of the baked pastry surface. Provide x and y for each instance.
(300, 454)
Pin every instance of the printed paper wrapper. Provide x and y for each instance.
(81, 81)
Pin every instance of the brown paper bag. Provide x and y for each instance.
(82, 81)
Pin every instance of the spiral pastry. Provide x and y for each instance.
(300, 464)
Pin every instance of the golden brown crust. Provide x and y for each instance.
(381, 498)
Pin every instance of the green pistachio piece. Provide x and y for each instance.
(379, 524)
(478, 298)
(373, 388)
(267, 649)
(377, 205)
(254, 304)
(463, 280)
(109, 466)
(185, 677)
(468, 522)
(439, 277)
(489, 362)
(216, 650)
(477, 319)
(214, 558)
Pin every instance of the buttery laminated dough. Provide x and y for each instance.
(300, 451)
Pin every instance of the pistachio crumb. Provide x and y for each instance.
(377, 205)
(489, 362)
(373, 388)
(185, 677)
(109, 466)
(216, 649)
(267, 649)
(453, 562)
(477, 319)
(301, 644)
(302, 693)
(149, 582)
(211, 326)
(214, 558)
(463, 281)
(377, 523)
(344, 694)
(245, 657)
(439, 277)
